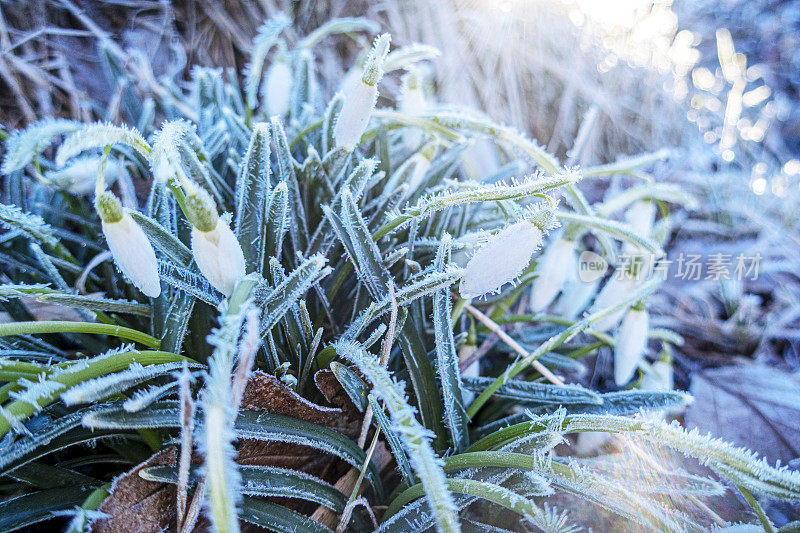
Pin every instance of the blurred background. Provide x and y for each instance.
(714, 81)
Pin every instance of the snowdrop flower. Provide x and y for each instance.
(505, 255)
(277, 87)
(214, 246)
(417, 167)
(575, 295)
(640, 216)
(553, 269)
(659, 378)
(412, 102)
(132, 252)
(80, 176)
(615, 291)
(360, 98)
(631, 343)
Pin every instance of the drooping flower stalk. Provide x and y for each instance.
(214, 246)
(631, 344)
(360, 98)
(506, 254)
(132, 252)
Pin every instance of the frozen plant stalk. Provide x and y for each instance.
(215, 248)
(630, 344)
(360, 98)
(128, 244)
(505, 255)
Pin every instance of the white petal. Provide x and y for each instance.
(630, 345)
(133, 254)
(501, 260)
(357, 107)
(218, 256)
(554, 268)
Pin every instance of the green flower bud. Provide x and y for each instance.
(108, 207)
(201, 210)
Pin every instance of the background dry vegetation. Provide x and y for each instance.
(660, 76)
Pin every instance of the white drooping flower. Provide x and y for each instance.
(575, 296)
(640, 216)
(219, 256)
(659, 378)
(615, 291)
(129, 246)
(277, 87)
(505, 255)
(80, 176)
(360, 98)
(215, 248)
(630, 344)
(412, 102)
(416, 168)
(553, 270)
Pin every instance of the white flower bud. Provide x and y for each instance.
(219, 256)
(353, 118)
(277, 87)
(360, 98)
(553, 269)
(617, 289)
(631, 344)
(80, 176)
(132, 252)
(504, 256)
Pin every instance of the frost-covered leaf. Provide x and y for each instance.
(455, 413)
(416, 438)
(268, 481)
(163, 240)
(98, 135)
(252, 191)
(22, 146)
(105, 386)
(30, 225)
